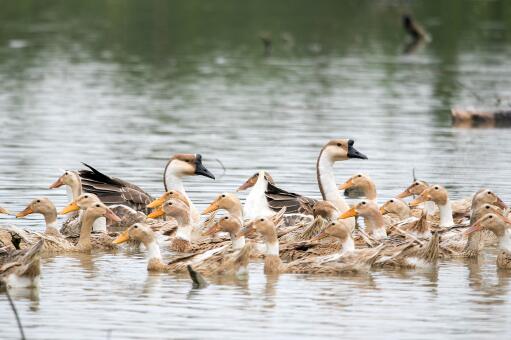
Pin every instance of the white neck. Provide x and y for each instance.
(52, 224)
(429, 207)
(238, 243)
(153, 250)
(327, 178)
(348, 245)
(272, 248)
(256, 204)
(505, 241)
(446, 215)
(99, 225)
(184, 232)
(379, 233)
(175, 182)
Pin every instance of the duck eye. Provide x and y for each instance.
(339, 144)
(363, 203)
(226, 218)
(487, 207)
(171, 192)
(135, 226)
(223, 195)
(490, 216)
(262, 219)
(97, 205)
(416, 183)
(86, 196)
(359, 175)
(170, 203)
(391, 201)
(489, 192)
(436, 188)
(38, 201)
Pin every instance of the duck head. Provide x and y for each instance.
(263, 226)
(414, 189)
(325, 209)
(435, 193)
(69, 178)
(363, 208)
(99, 209)
(484, 196)
(361, 182)
(138, 232)
(225, 201)
(172, 194)
(494, 222)
(174, 208)
(335, 229)
(83, 201)
(227, 224)
(254, 178)
(395, 206)
(41, 205)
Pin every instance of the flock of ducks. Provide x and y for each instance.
(291, 232)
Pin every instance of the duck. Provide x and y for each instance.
(414, 29)
(73, 183)
(501, 227)
(439, 195)
(373, 218)
(216, 261)
(343, 262)
(186, 230)
(229, 224)
(21, 268)
(333, 151)
(54, 242)
(469, 118)
(363, 184)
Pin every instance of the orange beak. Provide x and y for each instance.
(350, 213)
(248, 184)
(404, 194)
(158, 202)
(123, 237)
(212, 207)
(382, 210)
(57, 184)
(28, 210)
(421, 199)
(156, 213)
(5, 211)
(215, 228)
(70, 208)
(346, 185)
(112, 216)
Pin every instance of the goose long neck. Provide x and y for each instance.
(173, 181)
(76, 189)
(326, 182)
(446, 219)
(85, 231)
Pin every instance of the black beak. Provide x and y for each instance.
(354, 153)
(201, 169)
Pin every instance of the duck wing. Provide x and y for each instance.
(295, 204)
(111, 190)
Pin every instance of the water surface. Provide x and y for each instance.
(123, 85)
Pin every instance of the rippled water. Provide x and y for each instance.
(122, 85)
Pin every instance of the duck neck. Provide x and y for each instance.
(50, 220)
(237, 242)
(153, 250)
(326, 182)
(376, 225)
(272, 246)
(74, 190)
(236, 211)
(348, 245)
(184, 232)
(505, 241)
(371, 192)
(446, 219)
(85, 231)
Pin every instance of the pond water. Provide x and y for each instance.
(123, 85)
